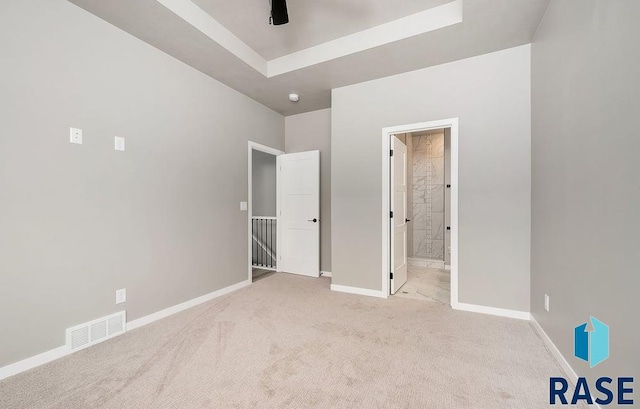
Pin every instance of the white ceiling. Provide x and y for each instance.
(233, 42)
(311, 22)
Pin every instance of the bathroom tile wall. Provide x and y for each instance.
(408, 140)
(427, 196)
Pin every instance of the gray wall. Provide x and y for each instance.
(308, 132)
(264, 184)
(585, 182)
(491, 96)
(78, 222)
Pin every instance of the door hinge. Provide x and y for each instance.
(391, 215)
(391, 152)
(392, 276)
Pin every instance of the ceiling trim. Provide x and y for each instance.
(415, 24)
(201, 20)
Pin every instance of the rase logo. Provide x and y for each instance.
(591, 344)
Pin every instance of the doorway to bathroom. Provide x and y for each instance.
(428, 254)
(421, 225)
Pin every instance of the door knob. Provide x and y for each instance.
(407, 220)
(313, 220)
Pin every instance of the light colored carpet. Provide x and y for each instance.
(290, 342)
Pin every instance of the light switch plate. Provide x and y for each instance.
(121, 296)
(546, 302)
(243, 206)
(75, 136)
(119, 143)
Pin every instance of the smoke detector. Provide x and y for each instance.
(294, 97)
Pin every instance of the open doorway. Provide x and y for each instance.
(420, 211)
(283, 212)
(262, 211)
(427, 191)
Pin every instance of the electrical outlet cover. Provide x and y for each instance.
(119, 143)
(121, 296)
(75, 136)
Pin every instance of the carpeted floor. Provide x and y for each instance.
(290, 342)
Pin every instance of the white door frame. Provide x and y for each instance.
(251, 146)
(451, 124)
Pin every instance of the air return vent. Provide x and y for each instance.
(93, 332)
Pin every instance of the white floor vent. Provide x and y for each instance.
(93, 332)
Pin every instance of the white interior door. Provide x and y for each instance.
(399, 214)
(299, 213)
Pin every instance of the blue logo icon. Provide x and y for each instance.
(591, 344)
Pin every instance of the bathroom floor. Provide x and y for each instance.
(428, 284)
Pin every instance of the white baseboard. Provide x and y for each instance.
(325, 273)
(425, 263)
(359, 291)
(264, 268)
(521, 315)
(562, 361)
(573, 377)
(52, 355)
(32, 362)
(148, 319)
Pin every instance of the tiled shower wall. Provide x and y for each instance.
(427, 196)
